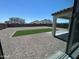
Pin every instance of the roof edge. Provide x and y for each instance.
(62, 11)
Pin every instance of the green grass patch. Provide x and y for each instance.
(32, 31)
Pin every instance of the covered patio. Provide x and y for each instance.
(65, 14)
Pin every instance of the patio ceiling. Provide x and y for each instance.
(66, 13)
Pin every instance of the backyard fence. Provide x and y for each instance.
(27, 25)
(65, 25)
(3, 26)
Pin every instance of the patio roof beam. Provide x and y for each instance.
(66, 13)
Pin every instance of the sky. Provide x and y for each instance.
(31, 10)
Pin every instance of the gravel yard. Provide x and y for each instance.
(35, 46)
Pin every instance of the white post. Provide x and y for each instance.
(54, 25)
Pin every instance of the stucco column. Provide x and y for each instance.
(69, 24)
(54, 25)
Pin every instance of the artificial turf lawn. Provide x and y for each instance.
(32, 31)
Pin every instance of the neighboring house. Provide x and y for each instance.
(35, 22)
(15, 20)
(45, 21)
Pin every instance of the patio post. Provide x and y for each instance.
(54, 24)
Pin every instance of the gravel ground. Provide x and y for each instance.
(35, 46)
